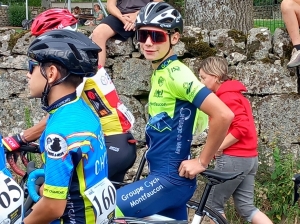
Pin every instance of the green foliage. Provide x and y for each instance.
(274, 187)
(272, 24)
(36, 3)
(29, 123)
(16, 13)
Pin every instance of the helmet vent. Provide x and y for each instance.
(75, 51)
(175, 13)
(162, 7)
(149, 9)
(39, 47)
(166, 20)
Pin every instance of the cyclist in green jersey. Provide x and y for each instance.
(174, 101)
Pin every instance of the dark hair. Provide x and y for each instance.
(73, 80)
(76, 7)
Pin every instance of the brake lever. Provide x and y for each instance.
(30, 147)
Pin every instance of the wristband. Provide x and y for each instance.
(199, 161)
(23, 137)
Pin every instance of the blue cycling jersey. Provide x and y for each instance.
(74, 154)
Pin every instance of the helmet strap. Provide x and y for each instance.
(161, 59)
(47, 88)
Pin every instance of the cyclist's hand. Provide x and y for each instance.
(41, 190)
(13, 143)
(219, 153)
(190, 168)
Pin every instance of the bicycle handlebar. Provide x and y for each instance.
(31, 183)
(12, 157)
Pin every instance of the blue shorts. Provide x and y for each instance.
(155, 195)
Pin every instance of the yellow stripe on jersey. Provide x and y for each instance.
(76, 145)
(90, 134)
(89, 211)
(55, 192)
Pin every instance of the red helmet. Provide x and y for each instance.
(52, 19)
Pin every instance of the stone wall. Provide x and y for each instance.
(258, 60)
(3, 16)
(34, 11)
(267, 12)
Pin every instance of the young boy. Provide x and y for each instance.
(72, 144)
(169, 132)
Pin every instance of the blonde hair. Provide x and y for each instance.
(216, 66)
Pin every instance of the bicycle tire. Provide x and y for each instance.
(209, 212)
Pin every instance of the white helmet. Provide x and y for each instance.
(161, 15)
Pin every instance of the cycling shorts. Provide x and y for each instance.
(154, 195)
(121, 155)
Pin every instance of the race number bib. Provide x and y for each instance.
(103, 197)
(123, 109)
(11, 201)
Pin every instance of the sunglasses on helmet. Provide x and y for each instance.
(31, 65)
(155, 35)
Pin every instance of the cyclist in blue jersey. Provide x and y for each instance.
(12, 196)
(174, 101)
(72, 144)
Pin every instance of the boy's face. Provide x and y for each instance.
(155, 42)
(36, 80)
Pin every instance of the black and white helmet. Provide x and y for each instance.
(161, 15)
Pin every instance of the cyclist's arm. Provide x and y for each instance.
(56, 189)
(46, 210)
(33, 133)
(199, 95)
(220, 120)
(113, 10)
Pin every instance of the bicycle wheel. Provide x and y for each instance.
(209, 212)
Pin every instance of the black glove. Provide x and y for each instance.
(13, 143)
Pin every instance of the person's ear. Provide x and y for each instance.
(175, 38)
(52, 74)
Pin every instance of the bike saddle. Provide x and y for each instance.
(220, 176)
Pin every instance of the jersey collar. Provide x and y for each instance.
(166, 62)
(66, 99)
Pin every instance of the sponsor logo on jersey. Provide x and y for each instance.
(98, 104)
(158, 93)
(56, 146)
(161, 81)
(188, 86)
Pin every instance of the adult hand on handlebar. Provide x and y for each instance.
(190, 168)
(13, 143)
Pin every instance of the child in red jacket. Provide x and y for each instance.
(238, 152)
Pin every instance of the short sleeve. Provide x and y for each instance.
(59, 167)
(184, 85)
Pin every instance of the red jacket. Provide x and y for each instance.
(242, 126)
